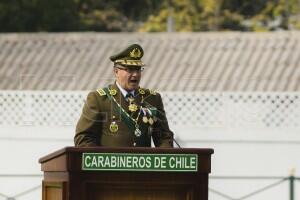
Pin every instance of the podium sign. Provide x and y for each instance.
(140, 162)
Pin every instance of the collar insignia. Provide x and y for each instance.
(141, 91)
(112, 92)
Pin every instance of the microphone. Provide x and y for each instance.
(176, 143)
(150, 133)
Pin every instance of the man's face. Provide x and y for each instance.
(128, 77)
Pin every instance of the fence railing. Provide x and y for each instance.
(27, 191)
(277, 181)
(201, 109)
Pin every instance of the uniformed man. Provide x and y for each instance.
(123, 114)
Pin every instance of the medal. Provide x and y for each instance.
(113, 127)
(132, 107)
(150, 120)
(137, 132)
(145, 119)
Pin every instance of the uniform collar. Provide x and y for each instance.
(123, 91)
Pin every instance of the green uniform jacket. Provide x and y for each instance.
(98, 114)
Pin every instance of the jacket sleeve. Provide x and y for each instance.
(162, 135)
(88, 127)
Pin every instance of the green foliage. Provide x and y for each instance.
(115, 15)
(12, 18)
(57, 15)
(210, 15)
(195, 15)
(37, 15)
(148, 15)
(156, 23)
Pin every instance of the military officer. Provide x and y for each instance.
(123, 114)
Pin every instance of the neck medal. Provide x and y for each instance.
(132, 107)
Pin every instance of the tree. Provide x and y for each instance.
(38, 15)
(148, 15)
(17, 15)
(57, 15)
(115, 15)
(211, 15)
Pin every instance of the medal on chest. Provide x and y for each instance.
(113, 127)
(147, 116)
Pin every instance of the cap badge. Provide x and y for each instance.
(135, 53)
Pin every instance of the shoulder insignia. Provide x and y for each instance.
(153, 92)
(101, 92)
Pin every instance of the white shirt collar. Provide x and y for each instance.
(123, 91)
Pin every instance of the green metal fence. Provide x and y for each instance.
(19, 195)
(277, 181)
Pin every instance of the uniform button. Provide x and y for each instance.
(134, 144)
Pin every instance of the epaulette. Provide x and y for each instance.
(153, 92)
(101, 92)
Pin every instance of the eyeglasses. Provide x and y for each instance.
(132, 70)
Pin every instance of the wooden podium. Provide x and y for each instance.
(65, 178)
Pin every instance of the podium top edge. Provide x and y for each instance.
(205, 151)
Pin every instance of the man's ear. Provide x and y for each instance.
(115, 70)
